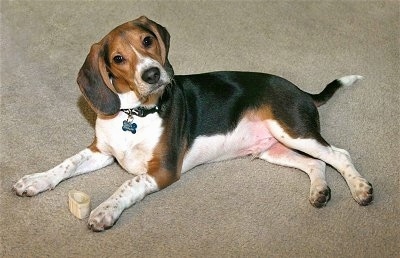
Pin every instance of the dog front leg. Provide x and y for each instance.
(129, 193)
(83, 162)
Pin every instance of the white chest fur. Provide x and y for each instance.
(132, 151)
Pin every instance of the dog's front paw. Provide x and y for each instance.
(103, 217)
(320, 194)
(31, 185)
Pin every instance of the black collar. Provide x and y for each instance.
(140, 111)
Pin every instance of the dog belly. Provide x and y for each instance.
(248, 138)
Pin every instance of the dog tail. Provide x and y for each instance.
(331, 88)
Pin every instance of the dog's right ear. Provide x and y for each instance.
(95, 84)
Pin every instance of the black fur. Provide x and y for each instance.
(327, 93)
(213, 103)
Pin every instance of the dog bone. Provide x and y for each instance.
(79, 204)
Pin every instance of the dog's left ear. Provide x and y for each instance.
(162, 36)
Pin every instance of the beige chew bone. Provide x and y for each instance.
(79, 204)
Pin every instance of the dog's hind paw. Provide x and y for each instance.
(362, 192)
(319, 196)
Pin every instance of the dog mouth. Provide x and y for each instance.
(158, 87)
(152, 80)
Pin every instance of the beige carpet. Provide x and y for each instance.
(239, 208)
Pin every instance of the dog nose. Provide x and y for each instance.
(151, 75)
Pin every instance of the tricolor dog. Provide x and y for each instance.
(158, 125)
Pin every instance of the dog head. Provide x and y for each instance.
(132, 57)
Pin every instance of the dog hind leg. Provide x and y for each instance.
(360, 188)
(315, 169)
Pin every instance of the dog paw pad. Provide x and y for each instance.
(320, 197)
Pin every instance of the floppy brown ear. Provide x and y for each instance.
(95, 84)
(163, 37)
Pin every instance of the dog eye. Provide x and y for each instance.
(118, 59)
(147, 42)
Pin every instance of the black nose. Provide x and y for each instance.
(151, 75)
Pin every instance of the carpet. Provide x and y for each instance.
(235, 208)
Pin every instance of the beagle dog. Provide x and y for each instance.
(158, 125)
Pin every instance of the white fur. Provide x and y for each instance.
(131, 150)
(132, 191)
(145, 63)
(350, 79)
(83, 162)
(248, 138)
(129, 100)
(315, 169)
(338, 158)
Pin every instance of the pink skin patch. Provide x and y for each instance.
(250, 137)
(259, 139)
(278, 150)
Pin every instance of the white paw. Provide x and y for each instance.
(104, 216)
(362, 191)
(320, 194)
(31, 185)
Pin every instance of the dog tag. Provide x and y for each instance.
(129, 126)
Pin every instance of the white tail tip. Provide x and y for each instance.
(350, 79)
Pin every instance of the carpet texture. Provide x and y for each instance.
(237, 208)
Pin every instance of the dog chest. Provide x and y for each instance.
(132, 150)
